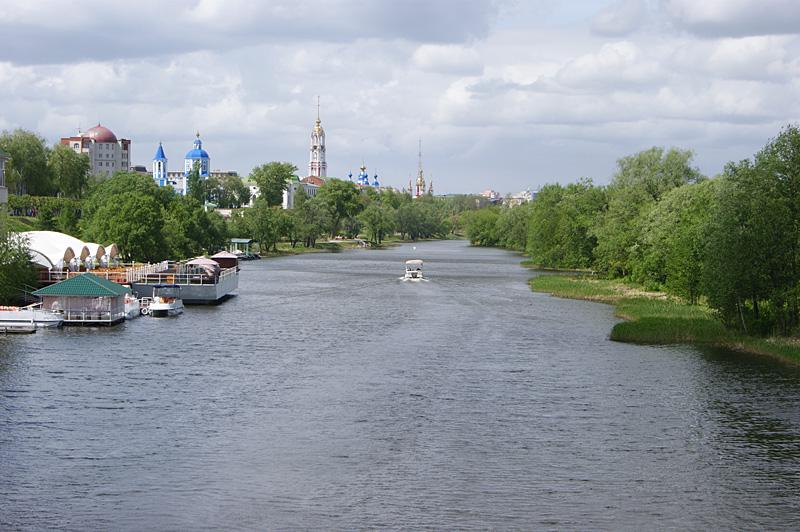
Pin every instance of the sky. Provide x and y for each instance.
(505, 94)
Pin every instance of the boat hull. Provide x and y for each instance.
(163, 311)
(39, 319)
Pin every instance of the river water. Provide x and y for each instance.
(329, 395)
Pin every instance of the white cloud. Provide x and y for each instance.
(448, 59)
(620, 18)
(620, 62)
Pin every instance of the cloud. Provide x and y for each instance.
(449, 59)
(734, 18)
(613, 64)
(619, 19)
(490, 86)
(58, 32)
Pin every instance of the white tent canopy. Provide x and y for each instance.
(51, 249)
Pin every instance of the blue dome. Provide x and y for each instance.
(196, 154)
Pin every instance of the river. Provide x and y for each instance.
(329, 395)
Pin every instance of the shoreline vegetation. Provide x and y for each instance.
(656, 318)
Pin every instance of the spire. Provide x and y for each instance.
(159, 156)
(420, 156)
(318, 124)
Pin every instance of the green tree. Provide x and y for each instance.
(512, 227)
(128, 209)
(134, 222)
(341, 200)
(196, 185)
(751, 271)
(671, 254)
(482, 227)
(640, 181)
(378, 221)
(312, 219)
(46, 218)
(263, 222)
(27, 171)
(272, 179)
(67, 221)
(70, 171)
(16, 270)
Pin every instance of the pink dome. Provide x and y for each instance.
(100, 134)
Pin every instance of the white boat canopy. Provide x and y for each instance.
(414, 263)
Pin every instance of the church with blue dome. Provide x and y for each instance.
(197, 157)
(363, 178)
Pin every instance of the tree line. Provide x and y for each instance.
(339, 207)
(731, 241)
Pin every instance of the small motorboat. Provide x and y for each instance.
(32, 315)
(413, 270)
(166, 301)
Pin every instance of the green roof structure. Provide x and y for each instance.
(84, 285)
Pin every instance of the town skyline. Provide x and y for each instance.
(505, 95)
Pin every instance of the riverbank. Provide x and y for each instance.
(655, 318)
(335, 246)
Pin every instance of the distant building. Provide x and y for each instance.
(492, 195)
(3, 189)
(107, 154)
(196, 157)
(362, 180)
(519, 198)
(417, 189)
(139, 169)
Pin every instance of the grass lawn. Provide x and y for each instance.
(19, 224)
(654, 318)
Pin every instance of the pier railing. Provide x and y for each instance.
(92, 316)
(123, 274)
(182, 278)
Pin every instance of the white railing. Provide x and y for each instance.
(92, 316)
(187, 278)
(129, 274)
(136, 273)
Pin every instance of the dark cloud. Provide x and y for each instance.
(741, 18)
(149, 29)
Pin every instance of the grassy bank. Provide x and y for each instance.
(654, 318)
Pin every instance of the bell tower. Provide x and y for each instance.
(419, 190)
(317, 166)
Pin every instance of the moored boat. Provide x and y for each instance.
(32, 315)
(166, 301)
